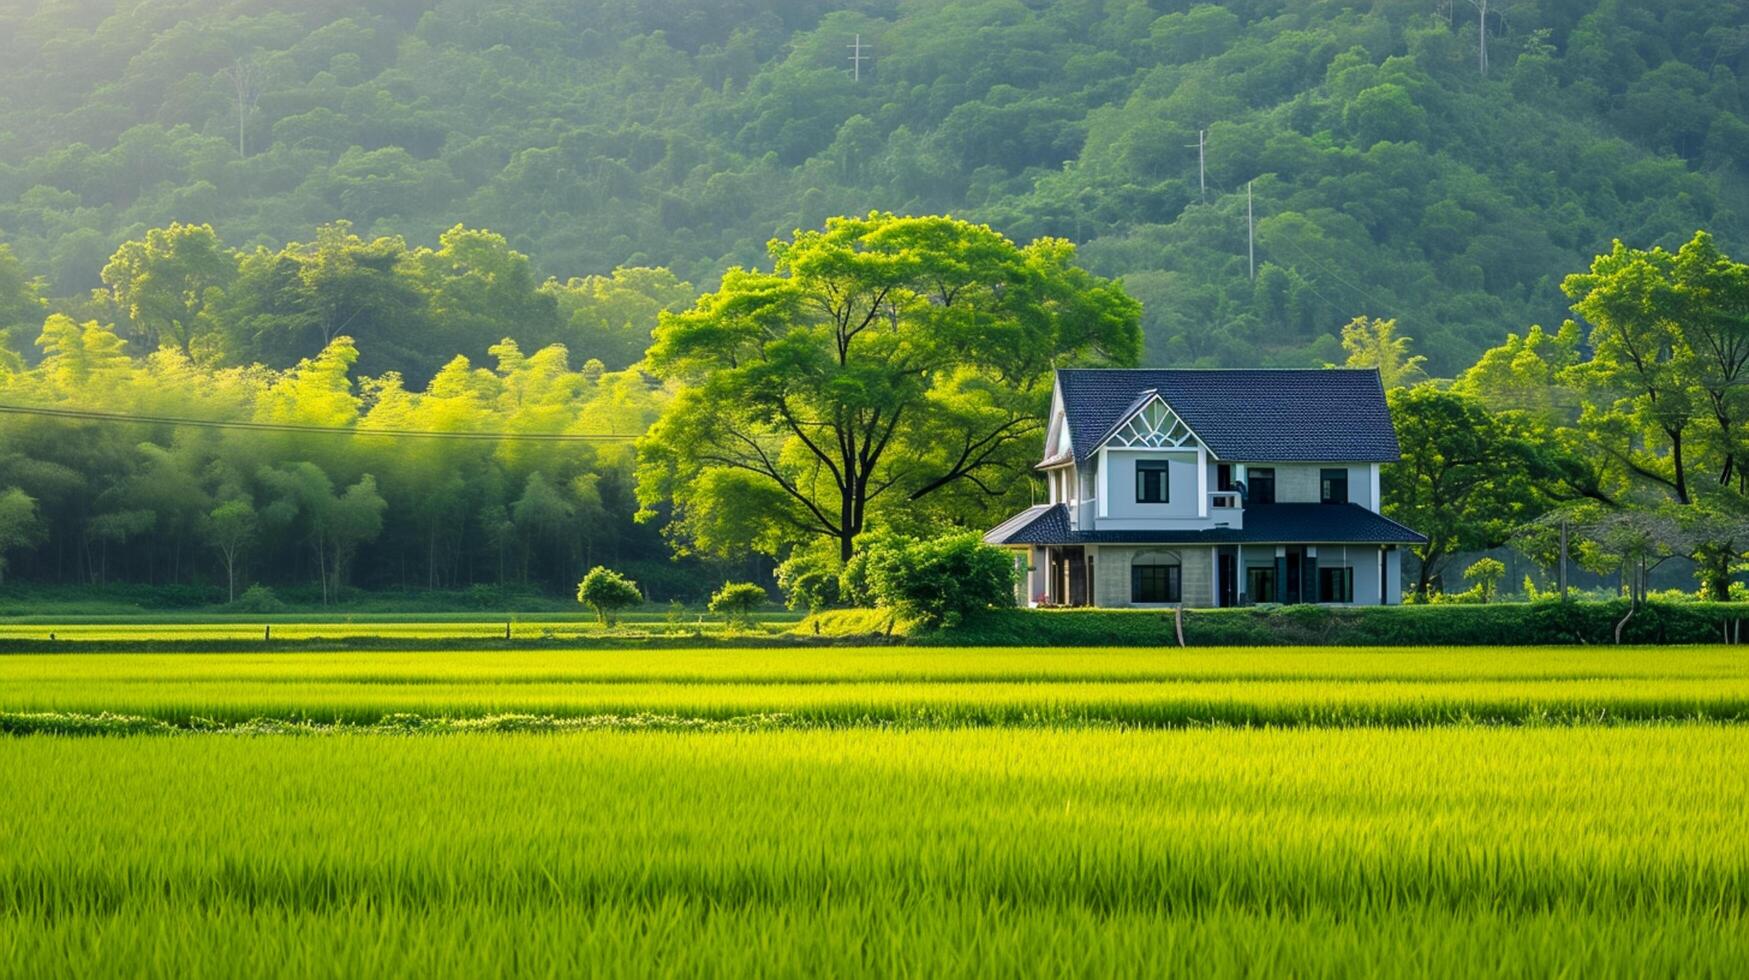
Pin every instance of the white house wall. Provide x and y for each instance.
(1123, 512)
(1302, 483)
(1085, 515)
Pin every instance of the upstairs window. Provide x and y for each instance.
(1224, 477)
(1153, 481)
(1260, 486)
(1333, 486)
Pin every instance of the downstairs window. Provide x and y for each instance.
(1154, 583)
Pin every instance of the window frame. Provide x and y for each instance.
(1329, 478)
(1256, 575)
(1252, 497)
(1162, 470)
(1335, 583)
(1171, 583)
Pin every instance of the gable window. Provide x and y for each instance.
(1333, 486)
(1260, 483)
(1154, 427)
(1154, 583)
(1335, 584)
(1153, 482)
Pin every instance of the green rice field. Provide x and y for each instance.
(877, 812)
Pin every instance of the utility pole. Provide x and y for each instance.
(1201, 145)
(246, 82)
(1481, 35)
(856, 58)
(1564, 559)
(1250, 233)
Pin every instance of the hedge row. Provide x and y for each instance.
(1497, 624)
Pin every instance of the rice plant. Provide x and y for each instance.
(1310, 852)
(953, 813)
(850, 687)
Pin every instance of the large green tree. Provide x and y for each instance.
(883, 362)
(169, 282)
(22, 306)
(1465, 480)
(290, 303)
(1650, 428)
(20, 525)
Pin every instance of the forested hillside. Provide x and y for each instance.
(1392, 174)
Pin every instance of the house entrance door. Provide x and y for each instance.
(1075, 576)
(1068, 583)
(1294, 563)
(1229, 581)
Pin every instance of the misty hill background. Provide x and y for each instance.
(1391, 177)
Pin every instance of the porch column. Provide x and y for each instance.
(1102, 482)
(1202, 480)
(1239, 575)
(1215, 576)
(1090, 573)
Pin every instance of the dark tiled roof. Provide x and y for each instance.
(1051, 520)
(1245, 416)
(1271, 524)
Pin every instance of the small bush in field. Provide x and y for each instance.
(942, 581)
(607, 592)
(257, 598)
(810, 581)
(737, 601)
(1486, 573)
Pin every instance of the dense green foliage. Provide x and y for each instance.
(890, 371)
(1545, 623)
(738, 601)
(939, 582)
(1633, 435)
(1466, 852)
(280, 211)
(607, 592)
(174, 504)
(1390, 175)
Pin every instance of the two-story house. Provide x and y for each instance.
(1212, 488)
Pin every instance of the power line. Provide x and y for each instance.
(84, 415)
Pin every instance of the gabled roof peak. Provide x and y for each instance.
(1241, 414)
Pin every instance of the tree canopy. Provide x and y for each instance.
(886, 363)
(1388, 174)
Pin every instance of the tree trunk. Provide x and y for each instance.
(1676, 459)
(1424, 574)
